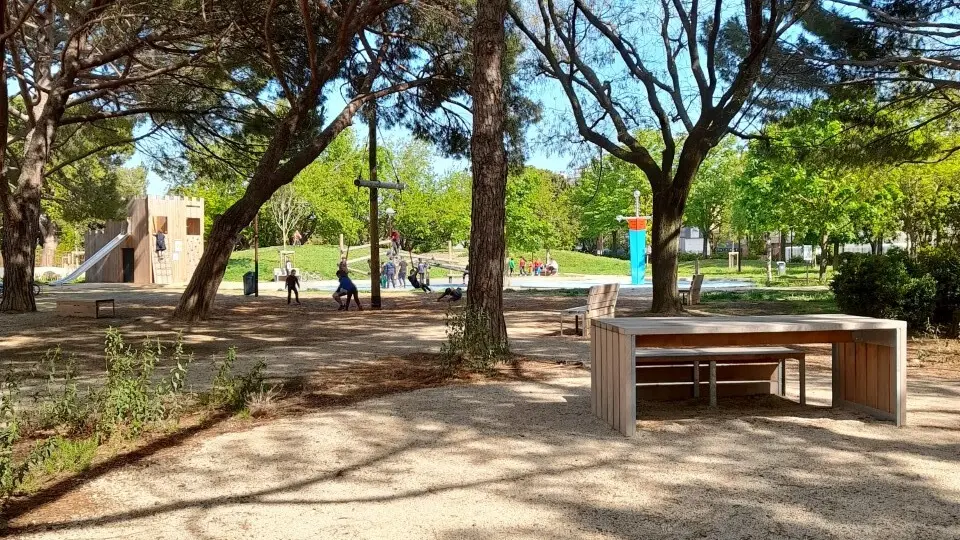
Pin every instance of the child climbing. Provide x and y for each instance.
(292, 284)
(161, 244)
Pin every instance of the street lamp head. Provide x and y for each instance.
(390, 211)
(636, 193)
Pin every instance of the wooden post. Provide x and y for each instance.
(374, 210)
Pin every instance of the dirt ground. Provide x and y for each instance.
(518, 456)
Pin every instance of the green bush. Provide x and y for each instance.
(231, 391)
(943, 263)
(881, 286)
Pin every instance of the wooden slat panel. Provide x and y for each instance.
(593, 371)
(884, 386)
(871, 375)
(849, 371)
(603, 382)
(628, 401)
(861, 371)
(757, 338)
(617, 380)
(609, 348)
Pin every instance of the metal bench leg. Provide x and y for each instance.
(576, 325)
(696, 379)
(803, 382)
(713, 384)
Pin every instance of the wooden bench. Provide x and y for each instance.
(691, 296)
(601, 302)
(280, 274)
(715, 357)
(85, 308)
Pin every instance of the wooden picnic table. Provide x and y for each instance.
(869, 356)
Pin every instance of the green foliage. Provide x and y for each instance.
(539, 211)
(711, 198)
(64, 408)
(434, 209)
(231, 391)
(943, 264)
(881, 286)
(469, 344)
(605, 191)
(129, 401)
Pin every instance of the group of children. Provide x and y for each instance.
(533, 268)
(347, 288)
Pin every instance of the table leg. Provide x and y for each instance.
(782, 379)
(696, 379)
(713, 384)
(803, 382)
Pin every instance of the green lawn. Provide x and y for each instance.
(320, 262)
(314, 260)
(768, 301)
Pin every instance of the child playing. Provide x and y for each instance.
(415, 281)
(292, 283)
(348, 289)
(454, 294)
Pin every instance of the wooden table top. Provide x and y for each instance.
(746, 324)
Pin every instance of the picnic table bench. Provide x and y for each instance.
(869, 356)
(687, 363)
(85, 308)
(601, 302)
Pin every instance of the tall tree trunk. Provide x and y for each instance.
(21, 217)
(21, 209)
(667, 219)
(706, 242)
(197, 300)
(48, 231)
(489, 163)
(824, 255)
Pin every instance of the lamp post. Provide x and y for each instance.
(636, 202)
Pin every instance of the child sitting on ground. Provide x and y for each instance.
(348, 289)
(415, 281)
(454, 294)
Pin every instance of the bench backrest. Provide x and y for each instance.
(602, 300)
(695, 286)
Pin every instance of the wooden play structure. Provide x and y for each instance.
(126, 251)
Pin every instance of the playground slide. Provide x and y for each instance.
(97, 257)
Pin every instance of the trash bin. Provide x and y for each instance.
(249, 283)
(781, 268)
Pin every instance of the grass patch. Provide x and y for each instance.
(769, 302)
(313, 262)
(320, 262)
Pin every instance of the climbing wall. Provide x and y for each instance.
(162, 269)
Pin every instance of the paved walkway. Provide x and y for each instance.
(527, 460)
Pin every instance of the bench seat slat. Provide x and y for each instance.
(711, 352)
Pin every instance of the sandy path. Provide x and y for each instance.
(527, 460)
